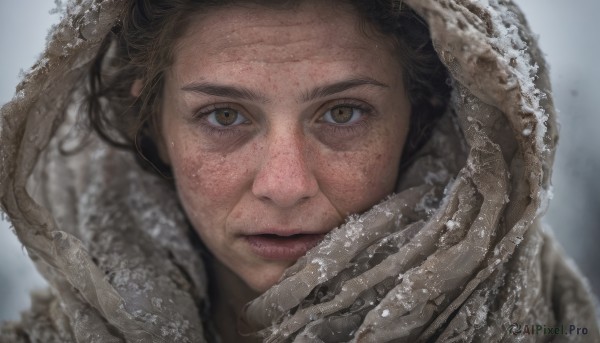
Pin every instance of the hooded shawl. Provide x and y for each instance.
(456, 254)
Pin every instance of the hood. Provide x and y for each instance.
(445, 257)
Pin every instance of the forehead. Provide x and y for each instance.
(311, 32)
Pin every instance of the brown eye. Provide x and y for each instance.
(343, 115)
(225, 116)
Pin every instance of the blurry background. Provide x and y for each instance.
(568, 35)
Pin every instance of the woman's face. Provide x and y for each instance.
(278, 123)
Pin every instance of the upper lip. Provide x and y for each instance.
(285, 232)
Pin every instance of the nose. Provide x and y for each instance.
(285, 179)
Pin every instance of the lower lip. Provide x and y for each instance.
(287, 248)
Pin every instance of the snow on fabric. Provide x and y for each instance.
(456, 254)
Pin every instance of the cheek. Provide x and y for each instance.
(354, 181)
(209, 185)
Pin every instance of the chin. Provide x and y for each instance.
(261, 280)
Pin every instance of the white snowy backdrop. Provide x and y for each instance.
(568, 35)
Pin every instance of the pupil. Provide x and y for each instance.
(342, 114)
(225, 117)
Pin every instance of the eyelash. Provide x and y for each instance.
(201, 115)
(365, 109)
(338, 129)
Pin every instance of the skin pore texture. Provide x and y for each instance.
(278, 124)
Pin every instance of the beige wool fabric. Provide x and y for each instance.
(457, 254)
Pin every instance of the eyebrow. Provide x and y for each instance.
(224, 91)
(338, 87)
(238, 92)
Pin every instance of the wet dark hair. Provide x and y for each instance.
(141, 48)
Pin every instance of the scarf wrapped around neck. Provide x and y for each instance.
(456, 254)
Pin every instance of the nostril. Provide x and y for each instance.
(284, 195)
